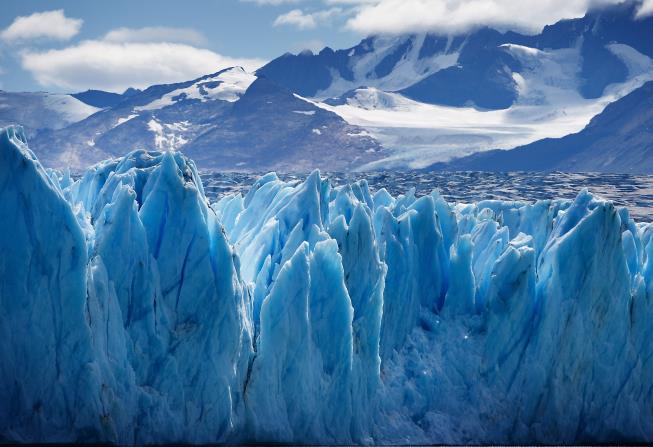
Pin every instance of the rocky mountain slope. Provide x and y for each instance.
(230, 120)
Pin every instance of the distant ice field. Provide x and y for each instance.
(632, 191)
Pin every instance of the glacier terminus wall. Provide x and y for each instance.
(133, 311)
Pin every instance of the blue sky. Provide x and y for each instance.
(233, 28)
(73, 45)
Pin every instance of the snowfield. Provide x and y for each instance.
(136, 312)
(548, 106)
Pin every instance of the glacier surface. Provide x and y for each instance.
(133, 311)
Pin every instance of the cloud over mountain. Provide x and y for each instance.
(401, 16)
(114, 66)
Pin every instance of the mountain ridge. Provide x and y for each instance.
(407, 101)
(480, 61)
(223, 119)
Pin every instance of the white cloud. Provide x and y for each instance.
(296, 18)
(646, 9)
(350, 2)
(400, 16)
(271, 2)
(115, 66)
(303, 20)
(40, 25)
(155, 34)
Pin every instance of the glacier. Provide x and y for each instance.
(134, 311)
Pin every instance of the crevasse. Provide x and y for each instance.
(135, 312)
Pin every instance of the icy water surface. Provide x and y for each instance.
(632, 191)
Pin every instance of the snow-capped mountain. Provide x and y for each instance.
(431, 98)
(478, 68)
(406, 101)
(387, 63)
(227, 120)
(37, 111)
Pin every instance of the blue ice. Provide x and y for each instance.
(134, 311)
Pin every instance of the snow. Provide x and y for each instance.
(157, 129)
(521, 49)
(40, 110)
(135, 313)
(71, 109)
(408, 70)
(421, 134)
(548, 106)
(228, 85)
(180, 126)
(305, 112)
(638, 64)
(317, 131)
(166, 136)
(418, 134)
(123, 120)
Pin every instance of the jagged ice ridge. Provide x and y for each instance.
(132, 311)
